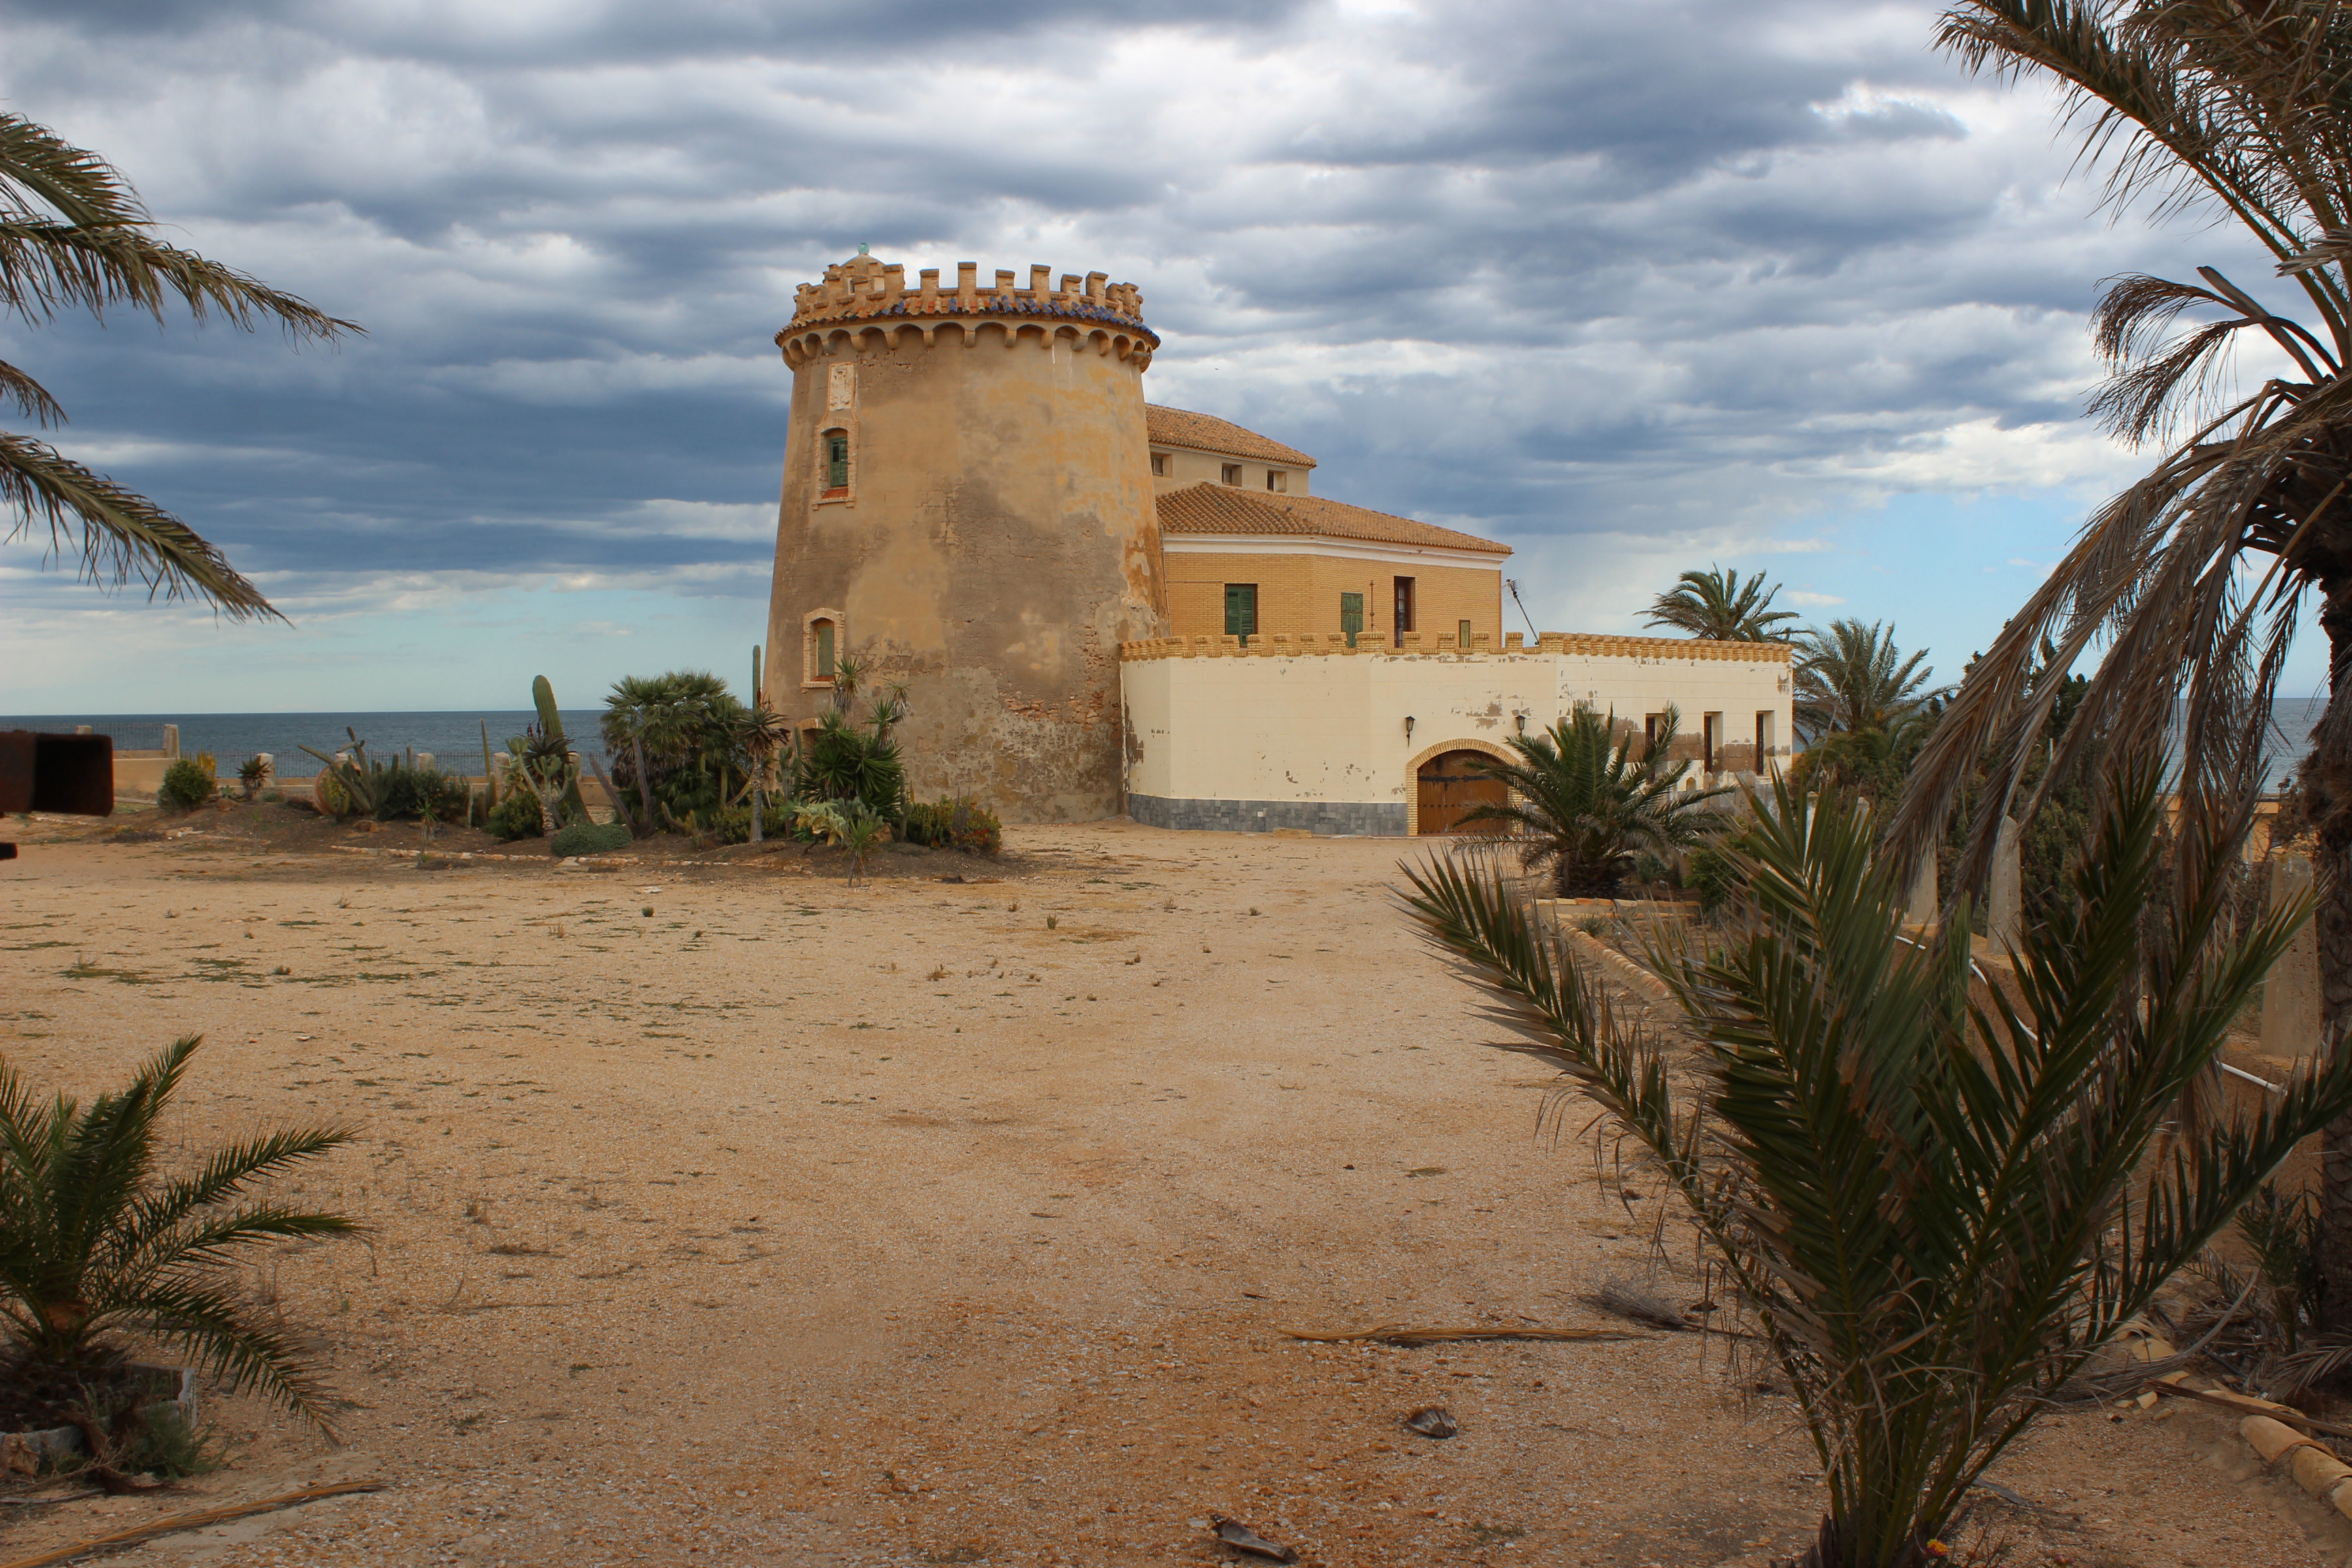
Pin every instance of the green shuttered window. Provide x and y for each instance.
(1241, 609)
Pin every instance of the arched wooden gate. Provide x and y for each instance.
(1450, 784)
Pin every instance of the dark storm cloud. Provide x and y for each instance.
(1535, 268)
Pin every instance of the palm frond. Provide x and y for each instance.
(1932, 1203)
(122, 535)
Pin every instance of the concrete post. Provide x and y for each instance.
(171, 742)
(2291, 992)
(1921, 909)
(2004, 902)
(424, 759)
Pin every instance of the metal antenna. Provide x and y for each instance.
(1513, 584)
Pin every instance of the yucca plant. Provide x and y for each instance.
(1935, 1203)
(1585, 805)
(100, 1247)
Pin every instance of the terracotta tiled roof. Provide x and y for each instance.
(1207, 433)
(1222, 509)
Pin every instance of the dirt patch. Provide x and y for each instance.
(795, 1224)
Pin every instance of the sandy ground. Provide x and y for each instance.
(726, 1214)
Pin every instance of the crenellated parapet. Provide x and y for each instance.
(868, 303)
(1422, 645)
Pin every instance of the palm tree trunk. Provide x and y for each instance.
(2326, 781)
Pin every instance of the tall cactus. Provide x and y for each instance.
(551, 724)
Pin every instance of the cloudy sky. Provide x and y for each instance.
(1633, 288)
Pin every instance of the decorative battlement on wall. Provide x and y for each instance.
(864, 288)
(1422, 643)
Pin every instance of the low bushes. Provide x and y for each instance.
(515, 817)
(590, 838)
(956, 822)
(187, 784)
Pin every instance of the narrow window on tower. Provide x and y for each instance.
(836, 462)
(1241, 610)
(821, 633)
(1351, 616)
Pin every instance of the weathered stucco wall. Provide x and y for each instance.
(995, 539)
(1279, 736)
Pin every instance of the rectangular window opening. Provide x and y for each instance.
(1402, 614)
(1763, 738)
(1241, 610)
(1351, 616)
(1461, 637)
(1160, 465)
(821, 656)
(1649, 732)
(1233, 473)
(836, 461)
(1276, 481)
(1710, 740)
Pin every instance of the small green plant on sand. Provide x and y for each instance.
(863, 831)
(187, 784)
(1934, 1207)
(99, 1245)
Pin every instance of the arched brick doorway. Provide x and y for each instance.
(1448, 785)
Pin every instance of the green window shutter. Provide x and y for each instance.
(825, 650)
(1462, 640)
(1351, 616)
(836, 462)
(1241, 609)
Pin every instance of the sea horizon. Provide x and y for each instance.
(454, 735)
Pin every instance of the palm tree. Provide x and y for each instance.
(74, 235)
(1935, 1209)
(2193, 579)
(1586, 805)
(1852, 679)
(1717, 606)
(96, 1244)
(681, 731)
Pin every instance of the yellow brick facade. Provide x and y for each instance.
(1298, 594)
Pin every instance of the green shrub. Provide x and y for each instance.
(957, 822)
(1713, 876)
(515, 817)
(187, 784)
(590, 838)
(407, 794)
(842, 761)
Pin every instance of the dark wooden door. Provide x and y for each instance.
(1450, 786)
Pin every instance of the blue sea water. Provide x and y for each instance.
(455, 739)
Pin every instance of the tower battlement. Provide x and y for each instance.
(866, 287)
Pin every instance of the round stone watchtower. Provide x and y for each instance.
(968, 510)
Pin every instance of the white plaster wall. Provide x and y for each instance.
(1332, 726)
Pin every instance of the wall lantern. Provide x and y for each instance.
(1408, 726)
(1522, 717)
